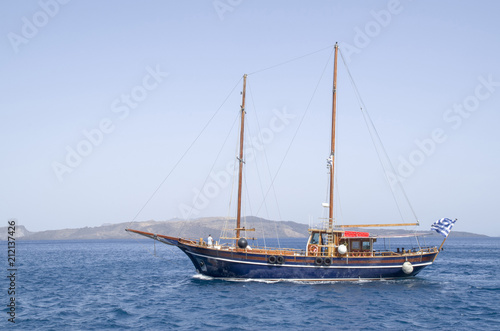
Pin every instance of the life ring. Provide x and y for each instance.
(327, 261)
(318, 261)
(313, 249)
(280, 259)
(272, 259)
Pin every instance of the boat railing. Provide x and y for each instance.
(402, 251)
(258, 249)
(324, 252)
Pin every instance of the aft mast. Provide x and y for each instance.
(331, 160)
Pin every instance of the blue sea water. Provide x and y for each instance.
(121, 284)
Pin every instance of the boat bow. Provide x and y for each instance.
(174, 241)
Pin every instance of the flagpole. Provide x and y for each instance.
(439, 250)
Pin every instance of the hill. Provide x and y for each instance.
(198, 228)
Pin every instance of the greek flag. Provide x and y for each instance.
(443, 226)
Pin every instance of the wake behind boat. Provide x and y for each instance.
(332, 253)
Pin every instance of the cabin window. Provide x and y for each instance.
(355, 245)
(366, 245)
(315, 238)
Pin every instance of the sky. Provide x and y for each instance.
(128, 110)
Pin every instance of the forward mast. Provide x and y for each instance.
(240, 158)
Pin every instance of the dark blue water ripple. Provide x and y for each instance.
(101, 285)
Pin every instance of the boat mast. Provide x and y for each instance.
(332, 152)
(331, 160)
(240, 158)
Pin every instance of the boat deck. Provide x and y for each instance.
(301, 252)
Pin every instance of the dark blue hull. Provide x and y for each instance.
(235, 265)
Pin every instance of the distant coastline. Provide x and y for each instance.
(198, 228)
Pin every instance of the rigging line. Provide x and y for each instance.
(300, 124)
(256, 167)
(364, 111)
(291, 60)
(373, 134)
(189, 148)
(270, 176)
(370, 130)
(255, 157)
(338, 162)
(247, 198)
(323, 209)
(233, 181)
(339, 214)
(211, 169)
(228, 215)
(141, 242)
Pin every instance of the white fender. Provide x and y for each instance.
(407, 268)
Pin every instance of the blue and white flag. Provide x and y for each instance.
(443, 226)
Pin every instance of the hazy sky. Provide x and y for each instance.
(100, 100)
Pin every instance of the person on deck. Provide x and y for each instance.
(210, 240)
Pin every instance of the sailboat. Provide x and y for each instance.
(332, 252)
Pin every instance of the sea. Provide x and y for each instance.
(143, 285)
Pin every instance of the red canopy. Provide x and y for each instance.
(356, 234)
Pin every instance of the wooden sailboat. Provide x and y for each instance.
(332, 253)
